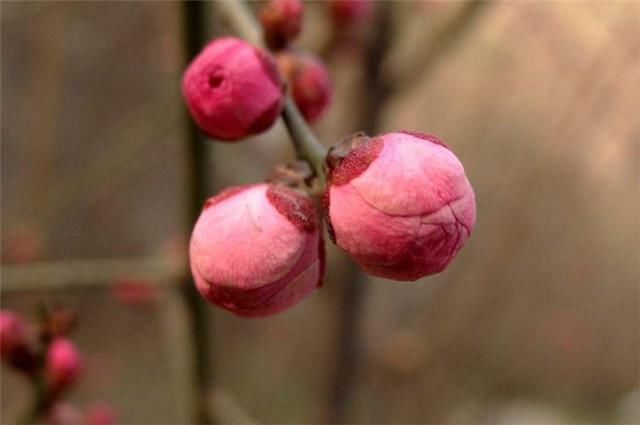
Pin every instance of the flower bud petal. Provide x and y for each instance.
(256, 250)
(233, 90)
(401, 205)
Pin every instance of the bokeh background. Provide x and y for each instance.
(537, 319)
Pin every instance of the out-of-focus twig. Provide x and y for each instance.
(83, 273)
(440, 41)
(194, 38)
(228, 410)
(241, 19)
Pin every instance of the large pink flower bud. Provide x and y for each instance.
(281, 21)
(400, 204)
(233, 90)
(257, 250)
(64, 364)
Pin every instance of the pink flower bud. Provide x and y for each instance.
(101, 414)
(349, 12)
(257, 250)
(64, 364)
(400, 204)
(12, 332)
(311, 87)
(63, 413)
(135, 292)
(22, 245)
(233, 90)
(14, 346)
(281, 21)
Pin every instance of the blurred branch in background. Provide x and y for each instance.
(227, 409)
(194, 24)
(84, 273)
(439, 42)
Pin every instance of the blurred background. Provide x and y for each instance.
(536, 321)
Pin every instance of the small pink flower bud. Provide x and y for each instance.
(101, 414)
(22, 245)
(257, 250)
(349, 12)
(281, 21)
(64, 364)
(63, 413)
(12, 332)
(233, 90)
(311, 87)
(135, 292)
(400, 204)
(14, 346)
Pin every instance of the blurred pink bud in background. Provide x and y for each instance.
(281, 21)
(101, 413)
(22, 245)
(135, 292)
(63, 413)
(64, 364)
(349, 12)
(14, 345)
(12, 332)
(311, 87)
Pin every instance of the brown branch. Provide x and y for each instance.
(58, 275)
(227, 409)
(194, 24)
(440, 42)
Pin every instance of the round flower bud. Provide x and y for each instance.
(101, 414)
(14, 346)
(257, 250)
(349, 12)
(400, 204)
(311, 87)
(64, 364)
(281, 21)
(62, 413)
(233, 90)
(12, 333)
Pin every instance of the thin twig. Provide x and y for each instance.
(83, 273)
(440, 42)
(307, 146)
(229, 410)
(241, 19)
(194, 23)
